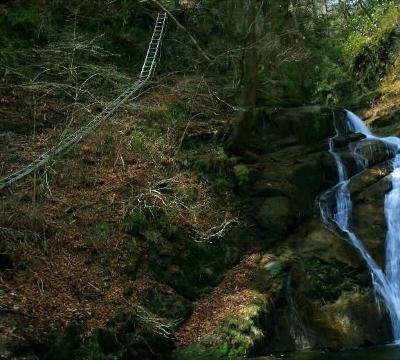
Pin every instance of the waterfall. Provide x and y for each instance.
(386, 283)
(357, 125)
(392, 266)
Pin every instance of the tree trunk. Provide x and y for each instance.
(242, 128)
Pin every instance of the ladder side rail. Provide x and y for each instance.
(158, 47)
(151, 41)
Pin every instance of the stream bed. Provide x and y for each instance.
(375, 353)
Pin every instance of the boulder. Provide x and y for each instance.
(295, 173)
(230, 321)
(375, 151)
(276, 217)
(367, 178)
(359, 156)
(344, 140)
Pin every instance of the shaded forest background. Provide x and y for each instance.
(106, 251)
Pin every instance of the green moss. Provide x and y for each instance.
(167, 305)
(176, 258)
(176, 114)
(217, 168)
(103, 229)
(198, 352)
(138, 141)
(137, 334)
(135, 222)
(242, 176)
(240, 334)
(103, 345)
(325, 282)
(63, 345)
(235, 337)
(202, 165)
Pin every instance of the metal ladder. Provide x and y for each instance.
(154, 46)
(66, 142)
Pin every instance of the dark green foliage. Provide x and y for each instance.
(23, 25)
(167, 305)
(375, 60)
(136, 222)
(62, 345)
(216, 167)
(198, 352)
(128, 337)
(242, 177)
(176, 257)
(125, 25)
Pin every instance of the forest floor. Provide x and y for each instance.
(66, 254)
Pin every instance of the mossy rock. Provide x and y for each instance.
(276, 217)
(307, 124)
(242, 334)
(326, 281)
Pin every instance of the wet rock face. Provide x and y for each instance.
(295, 165)
(368, 220)
(301, 125)
(358, 153)
(320, 295)
(328, 300)
(374, 151)
(344, 140)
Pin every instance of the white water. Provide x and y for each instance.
(386, 283)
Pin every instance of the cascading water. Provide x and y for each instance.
(386, 283)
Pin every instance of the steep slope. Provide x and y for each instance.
(133, 221)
